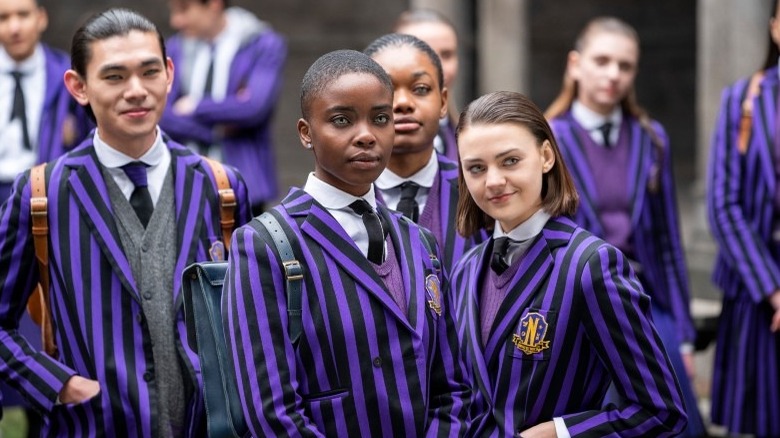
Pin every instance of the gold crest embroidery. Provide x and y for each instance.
(217, 251)
(433, 288)
(533, 328)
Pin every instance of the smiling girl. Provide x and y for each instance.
(548, 314)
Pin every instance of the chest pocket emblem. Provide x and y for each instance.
(433, 288)
(530, 339)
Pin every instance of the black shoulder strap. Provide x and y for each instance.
(293, 273)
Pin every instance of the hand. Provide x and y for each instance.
(690, 366)
(774, 300)
(78, 389)
(184, 106)
(543, 430)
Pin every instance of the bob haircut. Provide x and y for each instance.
(559, 196)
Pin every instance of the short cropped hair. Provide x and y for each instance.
(333, 65)
(559, 195)
(105, 25)
(404, 40)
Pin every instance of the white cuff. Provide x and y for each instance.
(560, 428)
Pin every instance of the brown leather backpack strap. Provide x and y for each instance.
(38, 304)
(746, 121)
(227, 200)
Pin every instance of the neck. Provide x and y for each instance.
(219, 26)
(406, 165)
(132, 147)
(604, 110)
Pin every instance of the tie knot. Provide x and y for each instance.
(136, 171)
(409, 190)
(361, 207)
(17, 75)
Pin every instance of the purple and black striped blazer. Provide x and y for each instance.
(96, 305)
(242, 122)
(573, 320)
(654, 216)
(740, 196)
(362, 367)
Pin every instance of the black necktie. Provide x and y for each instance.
(408, 204)
(209, 85)
(141, 200)
(19, 108)
(497, 262)
(376, 240)
(605, 129)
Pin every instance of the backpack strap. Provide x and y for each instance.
(38, 303)
(293, 274)
(227, 200)
(746, 121)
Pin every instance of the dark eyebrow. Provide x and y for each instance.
(498, 155)
(121, 67)
(419, 74)
(344, 108)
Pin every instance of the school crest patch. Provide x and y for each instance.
(217, 251)
(532, 330)
(433, 288)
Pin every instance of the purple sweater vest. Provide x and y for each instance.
(390, 273)
(610, 168)
(494, 288)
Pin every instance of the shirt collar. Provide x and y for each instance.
(591, 120)
(113, 158)
(30, 65)
(526, 230)
(332, 198)
(424, 177)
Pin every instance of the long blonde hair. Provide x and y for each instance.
(629, 104)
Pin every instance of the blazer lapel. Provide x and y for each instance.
(473, 328)
(190, 185)
(764, 127)
(573, 138)
(640, 161)
(329, 234)
(89, 190)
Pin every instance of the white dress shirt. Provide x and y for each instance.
(158, 158)
(14, 158)
(389, 184)
(337, 202)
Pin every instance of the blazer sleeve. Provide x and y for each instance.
(254, 311)
(256, 99)
(667, 230)
(743, 249)
(450, 393)
(615, 315)
(35, 374)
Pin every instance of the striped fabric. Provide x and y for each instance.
(362, 367)
(740, 203)
(573, 319)
(96, 305)
(654, 218)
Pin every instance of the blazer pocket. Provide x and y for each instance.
(332, 394)
(533, 337)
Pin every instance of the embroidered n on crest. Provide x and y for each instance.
(533, 328)
(433, 288)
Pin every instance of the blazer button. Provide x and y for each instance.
(139, 317)
(148, 376)
(148, 295)
(377, 362)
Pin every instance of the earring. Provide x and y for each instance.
(308, 146)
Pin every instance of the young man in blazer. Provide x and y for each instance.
(117, 247)
(226, 89)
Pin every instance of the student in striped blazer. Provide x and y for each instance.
(548, 314)
(621, 165)
(117, 246)
(438, 32)
(743, 202)
(419, 182)
(377, 354)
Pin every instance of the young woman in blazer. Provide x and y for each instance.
(548, 314)
(621, 165)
